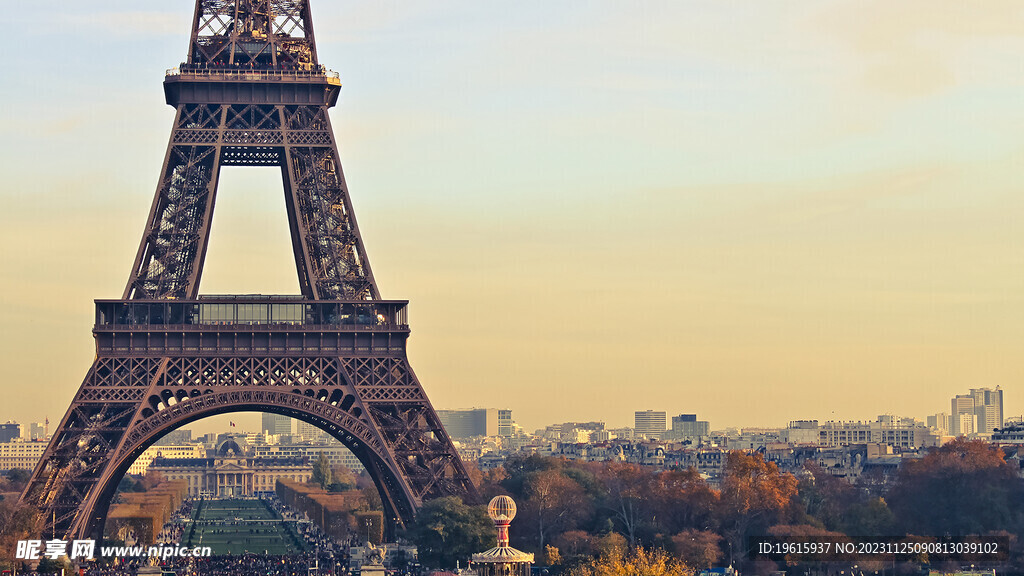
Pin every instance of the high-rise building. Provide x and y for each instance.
(966, 424)
(506, 426)
(37, 431)
(9, 431)
(477, 422)
(309, 432)
(988, 407)
(940, 422)
(649, 423)
(961, 404)
(687, 425)
(277, 424)
(984, 405)
(177, 437)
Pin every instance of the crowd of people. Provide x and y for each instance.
(173, 530)
(241, 565)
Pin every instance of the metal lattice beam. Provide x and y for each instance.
(251, 94)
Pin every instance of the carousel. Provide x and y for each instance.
(502, 560)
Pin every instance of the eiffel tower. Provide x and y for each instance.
(252, 93)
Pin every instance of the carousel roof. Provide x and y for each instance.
(503, 554)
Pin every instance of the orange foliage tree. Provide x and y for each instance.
(965, 487)
(754, 495)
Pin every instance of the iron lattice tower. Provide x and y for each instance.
(252, 93)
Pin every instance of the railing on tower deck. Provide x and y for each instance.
(252, 311)
(229, 72)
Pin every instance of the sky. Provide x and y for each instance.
(753, 211)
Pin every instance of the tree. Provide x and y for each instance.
(629, 487)
(825, 497)
(447, 531)
(804, 533)
(322, 472)
(576, 543)
(553, 503)
(611, 544)
(18, 478)
(17, 522)
(551, 556)
(49, 566)
(637, 562)
(371, 499)
(754, 495)
(870, 518)
(680, 500)
(342, 479)
(698, 548)
(965, 487)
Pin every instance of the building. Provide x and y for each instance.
(10, 431)
(20, 454)
(141, 464)
(988, 408)
(901, 434)
(801, 432)
(1009, 435)
(232, 471)
(966, 424)
(463, 424)
(506, 426)
(649, 423)
(177, 437)
(277, 424)
(307, 432)
(37, 431)
(336, 454)
(960, 405)
(940, 422)
(984, 405)
(686, 427)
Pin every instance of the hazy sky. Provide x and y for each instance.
(755, 211)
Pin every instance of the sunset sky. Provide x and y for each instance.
(755, 211)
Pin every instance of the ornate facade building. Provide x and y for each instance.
(232, 471)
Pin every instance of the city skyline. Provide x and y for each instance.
(802, 211)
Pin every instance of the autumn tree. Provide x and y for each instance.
(698, 548)
(805, 533)
(342, 479)
(825, 497)
(965, 487)
(576, 543)
(754, 495)
(17, 522)
(553, 503)
(636, 562)
(628, 489)
(551, 556)
(681, 500)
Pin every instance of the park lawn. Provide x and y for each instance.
(237, 526)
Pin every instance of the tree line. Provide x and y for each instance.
(571, 512)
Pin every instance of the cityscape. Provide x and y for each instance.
(486, 437)
(658, 289)
(322, 490)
